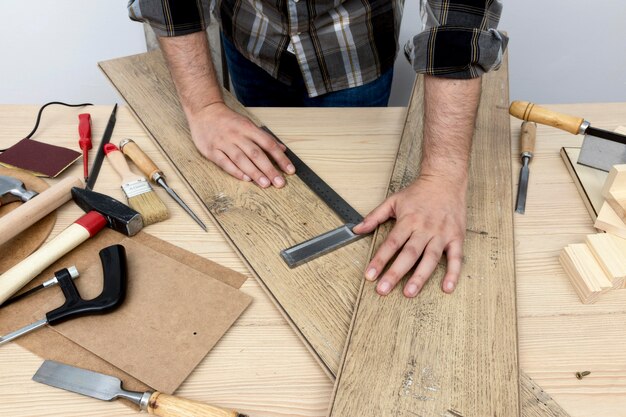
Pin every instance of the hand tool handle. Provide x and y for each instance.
(530, 112)
(84, 141)
(143, 161)
(164, 405)
(118, 161)
(19, 275)
(113, 293)
(36, 208)
(527, 138)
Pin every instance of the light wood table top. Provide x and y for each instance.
(260, 366)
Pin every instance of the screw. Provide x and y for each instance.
(582, 374)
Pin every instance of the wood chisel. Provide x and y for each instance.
(329, 241)
(108, 388)
(113, 260)
(527, 147)
(149, 168)
(601, 149)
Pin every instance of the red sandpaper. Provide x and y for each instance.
(41, 159)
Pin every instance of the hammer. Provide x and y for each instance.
(33, 209)
(102, 211)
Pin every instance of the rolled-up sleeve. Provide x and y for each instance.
(171, 17)
(459, 38)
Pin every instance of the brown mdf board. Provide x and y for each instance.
(438, 354)
(317, 298)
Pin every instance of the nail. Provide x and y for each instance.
(449, 286)
(384, 287)
(246, 178)
(370, 274)
(264, 182)
(291, 169)
(279, 181)
(411, 290)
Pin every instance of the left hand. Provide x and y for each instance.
(430, 220)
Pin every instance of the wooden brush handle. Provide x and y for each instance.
(530, 112)
(18, 220)
(143, 161)
(118, 161)
(527, 137)
(164, 405)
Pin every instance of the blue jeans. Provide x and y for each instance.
(256, 88)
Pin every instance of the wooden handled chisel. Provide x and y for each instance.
(150, 169)
(527, 147)
(107, 388)
(600, 149)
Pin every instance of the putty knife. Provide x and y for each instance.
(601, 149)
(105, 387)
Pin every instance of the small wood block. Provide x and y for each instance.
(584, 272)
(610, 255)
(609, 221)
(614, 190)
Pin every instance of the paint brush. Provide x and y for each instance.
(139, 193)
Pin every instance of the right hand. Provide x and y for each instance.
(238, 146)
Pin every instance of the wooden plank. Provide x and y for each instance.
(610, 251)
(318, 297)
(536, 402)
(445, 355)
(585, 273)
(609, 221)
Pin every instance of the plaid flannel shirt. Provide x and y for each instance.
(342, 43)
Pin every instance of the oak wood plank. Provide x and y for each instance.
(316, 297)
(445, 355)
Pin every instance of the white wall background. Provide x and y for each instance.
(561, 51)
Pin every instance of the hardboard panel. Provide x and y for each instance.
(317, 297)
(438, 354)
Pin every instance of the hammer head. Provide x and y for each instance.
(120, 217)
(12, 189)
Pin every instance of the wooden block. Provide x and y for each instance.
(584, 272)
(614, 190)
(610, 255)
(609, 221)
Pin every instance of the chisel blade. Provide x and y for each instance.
(520, 205)
(80, 381)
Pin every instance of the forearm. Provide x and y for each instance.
(189, 60)
(450, 107)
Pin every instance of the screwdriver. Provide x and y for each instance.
(113, 260)
(149, 168)
(84, 132)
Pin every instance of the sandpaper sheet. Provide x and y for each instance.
(40, 159)
(213, 283)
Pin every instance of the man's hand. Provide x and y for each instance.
(238, 146)
(221, 135)
(430, 213)
(430, 220)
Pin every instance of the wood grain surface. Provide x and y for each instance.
(260, 366)
(445, 355)
(318, 296)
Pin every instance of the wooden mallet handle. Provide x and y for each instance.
(18, 220)
(527, 137)
(164, 405)
(532, 113)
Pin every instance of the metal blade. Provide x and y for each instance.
(181, 203)
(319, 245)
(601, 153)
(82, 381)
(522, 188)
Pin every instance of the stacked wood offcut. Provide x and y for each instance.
(599, 264)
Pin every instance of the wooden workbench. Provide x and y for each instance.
(260, 366)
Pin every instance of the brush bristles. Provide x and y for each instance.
(150, 206)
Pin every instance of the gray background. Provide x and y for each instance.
(561, 51)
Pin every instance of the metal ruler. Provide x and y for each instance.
(329, 241)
